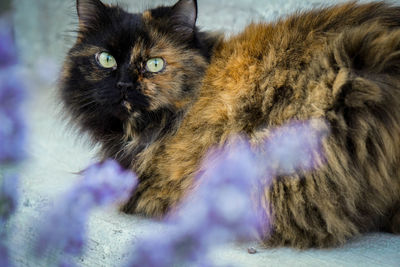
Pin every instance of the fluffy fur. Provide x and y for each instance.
(341, 64)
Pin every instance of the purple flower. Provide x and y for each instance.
(12, 128)
(176, 247)
(295, 146)
(154, 251)
(4, 258)
(223, 198)
(224, 206)
(219, 211)
(107, 183)
(8, 205)
(7, 46)
(8, 197)
(64, 230)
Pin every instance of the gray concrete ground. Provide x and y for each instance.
(56, 153)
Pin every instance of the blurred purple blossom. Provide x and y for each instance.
(219, 211)
(172, 248)
(223, 207)
(7, 46)
(4, 258)
(64, 228)
(12, 127)
(12, 131)
(222, 201)
(8, 197)
(12, 90)
(296, 145)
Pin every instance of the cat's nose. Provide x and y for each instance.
(125, 85)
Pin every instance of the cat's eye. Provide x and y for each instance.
(106, 60)
(155, 65)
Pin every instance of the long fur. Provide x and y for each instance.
(340, 63)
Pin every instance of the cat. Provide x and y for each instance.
(157, 93)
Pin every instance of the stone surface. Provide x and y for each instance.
(56, 152)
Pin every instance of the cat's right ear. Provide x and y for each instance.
(185, 15)
(90, 13)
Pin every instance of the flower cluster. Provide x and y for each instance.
(12, 127)
(64, 230)
(12, 131)
(296, 145)
(7, 45)
(221, 208)
(4, 259)
(217, 212)
(8, 197)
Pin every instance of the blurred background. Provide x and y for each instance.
(44, 31)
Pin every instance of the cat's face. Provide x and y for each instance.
(126, 66)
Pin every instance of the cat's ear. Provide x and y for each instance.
(90, 12)
(185, 15)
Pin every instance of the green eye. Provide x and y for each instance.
(155, 64)
(106, 60)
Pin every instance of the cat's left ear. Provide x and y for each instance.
(185, 15)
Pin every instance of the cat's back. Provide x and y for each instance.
(341, 64)
(283, 62)
(296, 32)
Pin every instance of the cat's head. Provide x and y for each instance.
(133, 67)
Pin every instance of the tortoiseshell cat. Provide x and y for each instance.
(157, 93)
